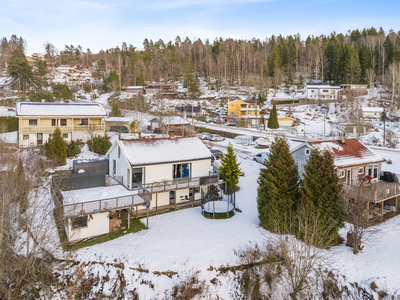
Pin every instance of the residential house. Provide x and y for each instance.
(121, 124)
(244, 110)
(37, 121)
(355, 89)
(355, 163)
(319, 91)
(285, 122)
(162, 174)
(372, 112)
(66, 69)
(139, 90)
(81, 76)
(161, 90)
(189, 110)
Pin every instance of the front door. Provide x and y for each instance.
(39, 140)
(172, 197)
(349, 176)
(137, 177)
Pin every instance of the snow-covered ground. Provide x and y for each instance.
(184, 241)
(9, 137)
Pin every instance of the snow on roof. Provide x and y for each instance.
(119, 119)
(156, 151)
(373, 109)
(60, 109)
(134, 87)
(176, 120)
(351, 153)
(321, 85)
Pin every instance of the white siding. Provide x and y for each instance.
(99, 225)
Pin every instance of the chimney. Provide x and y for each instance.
(43, 100)
(343, 138)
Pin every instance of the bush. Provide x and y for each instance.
(74, 148)
(8, 124)
(203, 129)
(201, 118)
(99, 144)
(46, 95)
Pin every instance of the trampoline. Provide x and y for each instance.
(218, 207)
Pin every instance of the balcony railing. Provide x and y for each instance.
(376, 192)
(176, 184)
(64, 129)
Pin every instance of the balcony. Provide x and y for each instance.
(64, 129)
(377, 192)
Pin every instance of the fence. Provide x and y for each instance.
(91, 165)
(81, 181)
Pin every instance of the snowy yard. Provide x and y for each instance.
(184, 241)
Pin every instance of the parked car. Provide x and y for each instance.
(216, 138)
(211, 121)
(261, 157)
(263, 142)
(216, 153)
(230, 124)
(204, 136)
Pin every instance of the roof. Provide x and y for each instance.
(373, 109)
(119, 119)
(140, 152)
(286, 118)
(189, 108)
(351, 153)
(136, 87)
(321, 85)
(175, 120)
(244, 101)
(32, 109)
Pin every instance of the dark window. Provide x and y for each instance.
(53, 122)
(197, 190)
(79, 222)
(181, 171)
(119, 152)
(65, 135)
(84, 121)
(172, 195)
(32, 122)
(63, 122)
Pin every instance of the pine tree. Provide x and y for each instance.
(56, 147)
(277, 188)
(320, 193)
(273, 118)
(229, 169)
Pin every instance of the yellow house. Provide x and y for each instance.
(285, 122)
(243, 109)
(37, 121)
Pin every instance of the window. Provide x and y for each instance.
(171, 195)
(342, 173)
(79, 222)
(65, 135)
(84, 122)
(53, 122)
(325, 91)
(119, 152)
(232, 113)
(361, 170)
(63, 122)
(197, 190)
(181, 171)
(312, 91)
(114, 167)
(32, 122)
(307, 151)
(25, 137)
(232, 105)
(375, 171)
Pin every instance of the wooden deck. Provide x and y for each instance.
(377, 192)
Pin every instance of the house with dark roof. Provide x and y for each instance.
(359, 169)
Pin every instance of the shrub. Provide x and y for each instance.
(46, 95)
(8, 124)
(203, 129)
(74, 148)
(99, 144)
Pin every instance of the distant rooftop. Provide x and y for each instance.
(38, 109)
(322, 84)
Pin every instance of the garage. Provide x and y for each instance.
(285, 122)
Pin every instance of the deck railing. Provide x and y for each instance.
(176, 184)
(64, 129)
(375, 192)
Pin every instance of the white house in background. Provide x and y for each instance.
(66, 69)
(135, 90)
(38, 120)
(322, 91)
(372, 112)
(172, 170)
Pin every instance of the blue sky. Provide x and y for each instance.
(101, 24)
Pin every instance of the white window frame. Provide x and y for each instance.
(342, 173)
(307, 151)
(361, 170)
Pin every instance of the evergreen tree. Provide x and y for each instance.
(320, 193)
(56, 147)
(115, 111)
(229, 169)
(62, 91)
(277, 188)
(273, 118)
(19, 68)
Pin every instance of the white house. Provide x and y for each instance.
(372, 112)
(322, 91)
(172, 170)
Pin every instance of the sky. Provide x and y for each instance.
(102, 24)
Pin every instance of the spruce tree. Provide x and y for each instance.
(56, 147)
(229, 169)
(277, 188)
(273, 118)
(320, 193)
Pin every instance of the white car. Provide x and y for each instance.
(216, 138)
(261, 157)
(204, 136)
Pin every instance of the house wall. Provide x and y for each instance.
(235, 109)
(372, 114)
(99, 225)
(121, 165)
(300, 157)
(318, 93)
